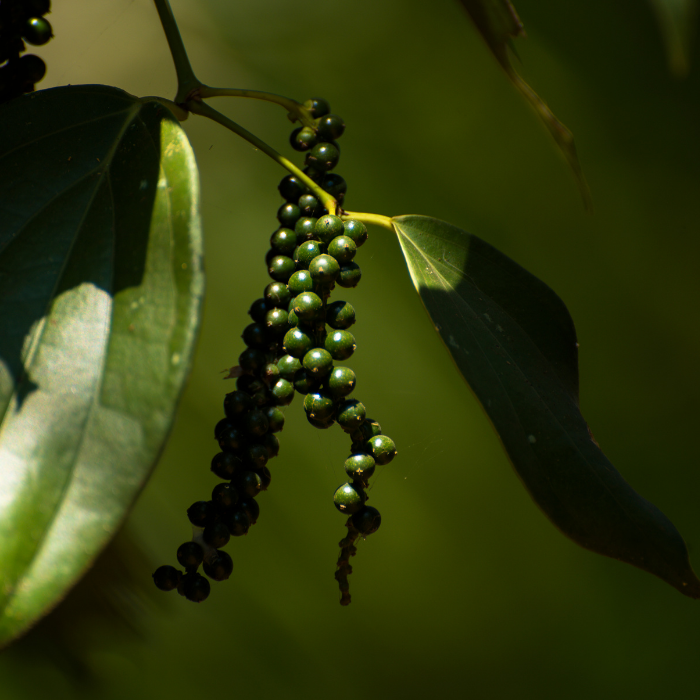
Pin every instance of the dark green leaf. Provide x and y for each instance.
(498, 23)
(514, 342)
(100, 291)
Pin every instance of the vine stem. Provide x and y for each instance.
(377, 219)
(198, 107)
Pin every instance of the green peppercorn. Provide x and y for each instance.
(300, 282)
(291, 188)
(277, 295)
(340, 315)
(341, 381)
(288, 367)
(282, 392)
(323, 156)
(359, 467)
(382, 448)
(297, 343)
(343, 249)
(308, 306)
(303, 138)
(356, 231)
(281, 268)
(350, 414)
(323, 269)
(275, 419)
(318, 362)
(350, 275)
(335, 185)
(318, 107)
(328, 227)
(340, 344)
(349, 498)
(319, 406)
(277, 322)
(37, 31)
(330, 127)
(306, 253)
(304, 229)
(283, 241)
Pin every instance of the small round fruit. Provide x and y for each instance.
(350, 275)
(277, 322)
(250, 509)
(359, 467)
(341, 381)
(304, 228)
(216, 535)
(201, 513)
(218, 565)
(275, 419)
(277, 295)
(323, 156)
(282, 392)
(225, 464)
(320, 424)
(236, 404)
(258, 309)
(306, 253)
(343, 249)
(328, 227)
(324, 269)
(340, 315)
(250, 483)
(330, 127)
(37, 31)
(297, 343)
(318, 362)
(367, 520)
(281, 268)
(237, 521)
(232, 439)
(318, 107)
(288, 214)
(283, 241)
(190, 554)
(291, 188)
(305, 382)
(167, 577)
(300, 282)
(31, 68)
(288, 367)
(224, 495)
(357, 231)
(255, 423)
(308, 306)
(319, 406)
(251, 360)
(256, 456)
(340, 344)
(369, 429)
(350, 414)
(194, 587)
(303, 138)
(309, 205)
(382, 448)
(335, 185)
(349, 498)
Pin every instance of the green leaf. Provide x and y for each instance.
(498, 23)
(677, 21)
(101, 286)
(514, 342)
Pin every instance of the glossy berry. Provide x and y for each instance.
(306, 252)
(303, 138)
(255, 423)
(283, 241)
(258, 309)
(236, 404)
(340, 344)
(251, 360)
(318, 107)
(250, 483)
(349, 498)
(288, 367)
(277, 322)
(340, 315)
(300, 282)
(350, 275)
(190, 554)
(341, 381)
(335, 185)
(367, 520)
(281, 268)
(201, 513)
(297, 343)
(328, 227)
(323, 156)
(343, 249)
(218, 565)
(305, 382)
(37, 31)
(225, 464)
(350, 414)
(194, 587)
(330, 127)
(318, 362)
(232, 439)
(167, 577)
(275, 420)
(224, 495)
(309, 205)
(320, 424)
(223, 424)
(288, 214)
(359, 467)
(369, 429)
(308, 306)
(291, 188)
(319, 406)
(271, 443)
(324, 269)
(238, 521)
(282, 392)
(216, 535)
(304, 228)
(382, 448)
(356, 231)
(271, 373)
(277, 295)
(256, 455)
(250, 508)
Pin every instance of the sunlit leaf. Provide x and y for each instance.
(100, 291)
(498, 23)
(514, 342)
(677, 21)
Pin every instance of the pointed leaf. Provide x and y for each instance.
(100, 291)
(498, 23)
(514, 342)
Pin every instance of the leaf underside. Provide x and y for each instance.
(514, 342)
(101, 285)
(498, 23)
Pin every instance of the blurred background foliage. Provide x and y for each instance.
(466, 589)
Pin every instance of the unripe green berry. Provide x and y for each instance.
(306, 253)
(319, 406)
(320, 424)
(367, 520)
(277, 322)
(349, 498)
(350, 414)
(288, 215)
(369, 429)
(275, 419)
(283, 241)
(382, 448)
(300, 282)
(303, 138)
(328, 227)
(340, 344)
(335, 185)
(359, 467)
(308, 306)
(318, 107)
(349, 276)
(291, 188)
(323, 269)
(357, 231)
(343, 249)
(340, 315)
(330, 127)
(277, 295)
(341, 381)
(309, 205)
(288, 367)
(282, 392)
(304, 229)
(318, 362)
(37, 31)
(305, 382)
(297, 343)
(323, 156)
(281, 268)
(270, 373)
(218, 565)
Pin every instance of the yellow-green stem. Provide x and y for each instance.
(377, 219)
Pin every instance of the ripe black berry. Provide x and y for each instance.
(236, 404)
(167, 577)
(225, 464)
(218, 565)
(216, 535)
(335, 185)
(224, 495)
(194, 587)
(250, 510)
(190, 554)
(367, 520)
(238, 521)
(201, 513)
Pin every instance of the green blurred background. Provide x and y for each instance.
(467, 590)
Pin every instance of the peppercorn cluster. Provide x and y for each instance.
(292, 346)
(21, 21)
